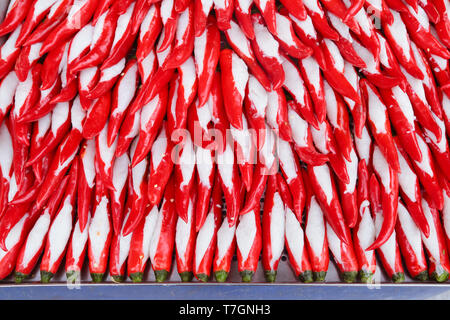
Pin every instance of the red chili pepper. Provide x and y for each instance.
(294, 84)
(225, 249)
(97, 116)
(149, 31)
(76, 252)
(20, 150)
(78, 48)
(273, 229)
(17, 233)
(243, 48)
(435, 245)
(86, 181)
(389, 197)
(426, 172)
(128, 131)
(441, 71)
(218, 115)
(234, 81)
(15, 15)
(141, 9)
(120, 248)
(442, 26)
(324, 188)
(400, 43)
(8, 87)
(26, 97)
(303, 140)
(202, 9)
(9, 53)
(60, 126)
(58, 12)
(446, 107)
(183, 44)
(140, 242)
(139, 192)
(417, 24)
(334, 71)
(60, 229)
(313, 80)
(292, 173)
(255, 104)
(344, 256)
(185, 238)
(120, 173)
(224, 12)
(266, 50)
(206, 52)
(242, 10)
(6, 165)
(410, 191)
(102, 7)
(56, 57)
(101, 43)
(206, 176)
(184, 176)
(389, 252)
(169, 17)
(61, 161)
(317, 14)
(124, 37)
(79, 15)
(185, 93)
(402, 118)
(163, 238)
(379, 123)
(325, 142)
(100, 234)
(411, 247)
(107, 79)
(207, 235)
(249, 243)
(26, 60)
(430, 10)
(33, 246)
(364, 231)
(161, 166)
(152, 115)
(181, 5)
(288, 40)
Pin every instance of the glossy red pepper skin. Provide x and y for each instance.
(224, 13)
(411, 194)
(61, 228)
(100, 48)
(77, 19)
(86, 182)
(270, 61)
(259, 182)
(54, 18)
(318, 177)
(303, 141)
(233, 91)
(128, 131)
(56, 57)
(139, 246)
(149, 31)
(119, 250)
(294, 179)
(442, 26)
(152, 115)
(441, 71)
(439, 267)
(389, 252)
(333, 75)
(242, 10)
(183, 44)
(163, 239)
(100, 234)
(97, 116)
(243, 48)
(379, 123)
(389, 197)
(268, 12)
(20, 150)
(8, 59)
(169, 18)
(25, 264)
(288, 40)
(159, 171)
(409, 238)
(284, 192)
(295, 85)
(225, 249)
(185, 237)
(313, 80)
(213, 220)
(102, 7)
(206, 60)
(121, 182)
(399, 117)
(248, 263)
(422, 37)
(339, 9)
(364, 231)
(273, 229)
(15, 15)
(43, 107)
(63, 158)
(26, 60)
